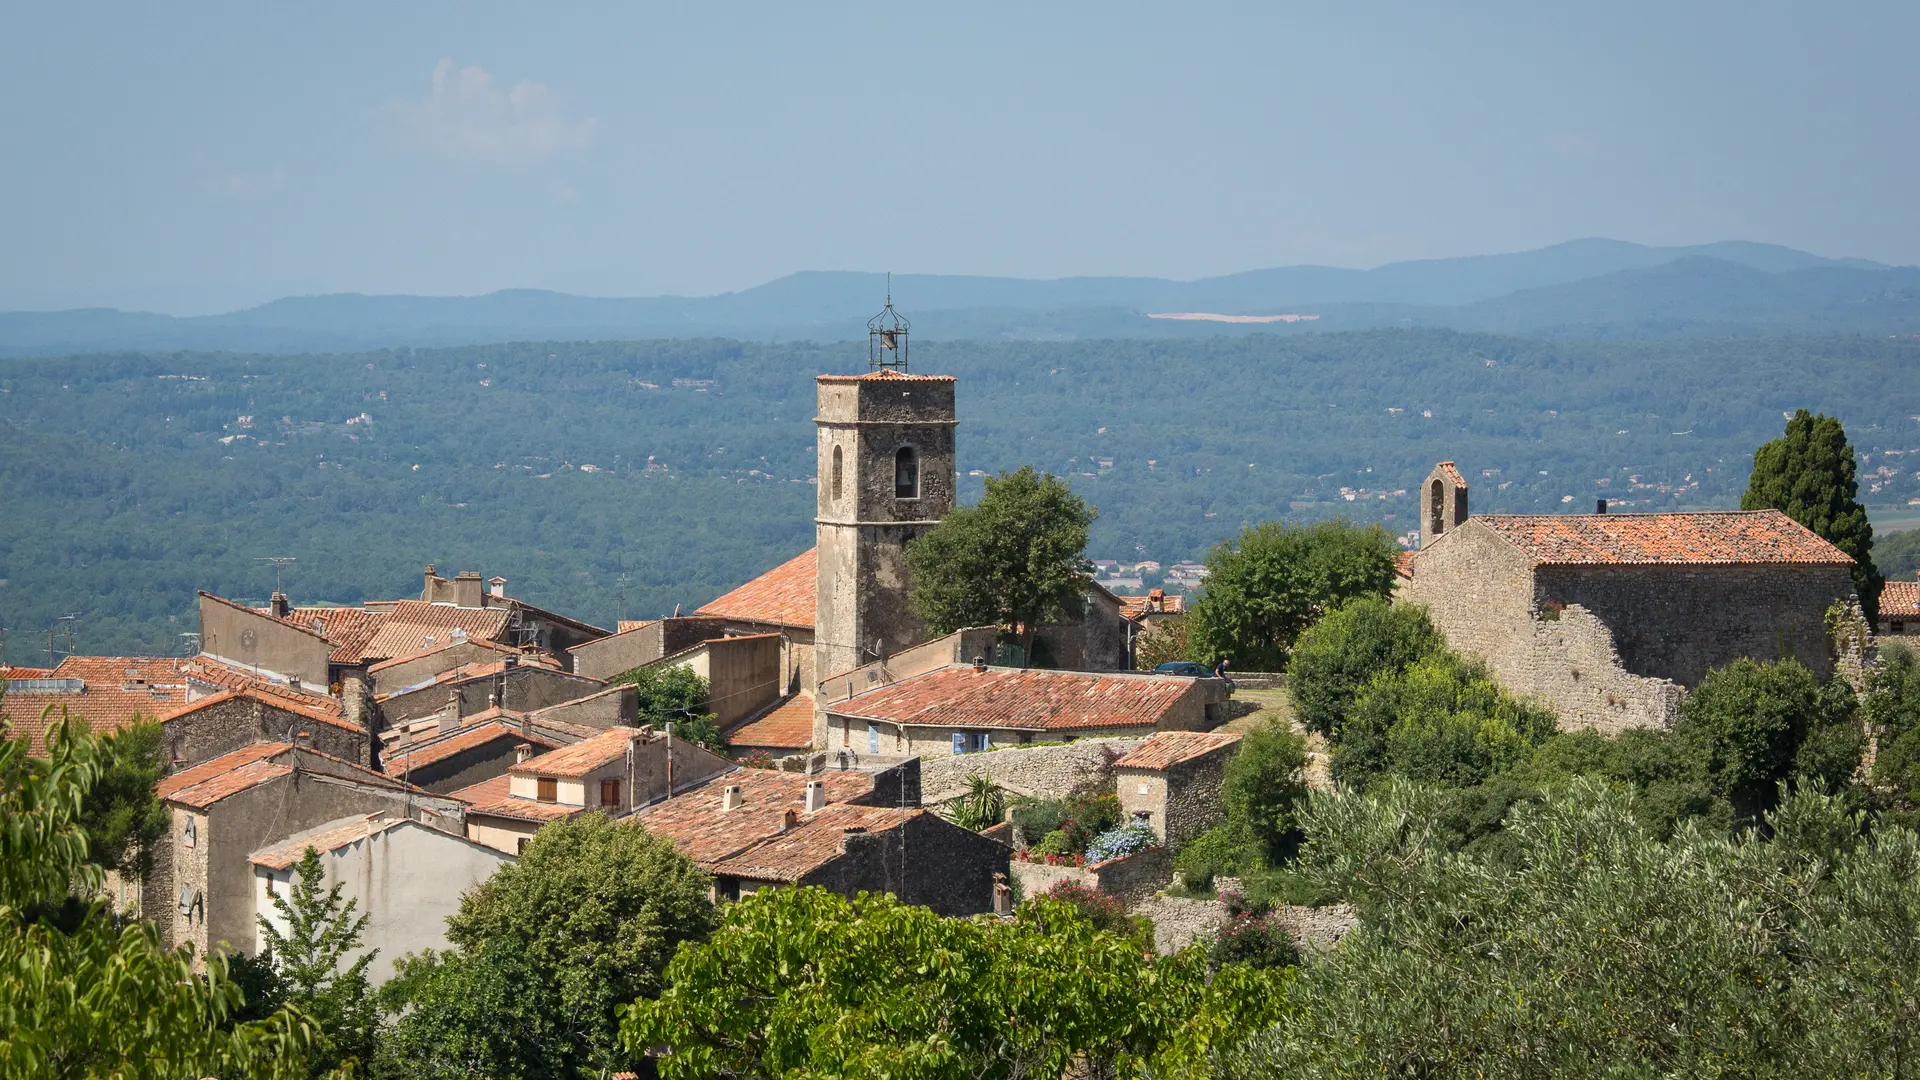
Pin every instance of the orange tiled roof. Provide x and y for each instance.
(398, 762)
(707, 834)
(882, 374)
(1723, 537)
(1133, 607)
(782, 595)
(814, 842)
(1450, 473)
(493, 798)
(347, 629)
(787, 725)
(225, 763)
(1169, 748)
(624, 625)
(1900, 600)
(1403, 564)
(442, 647)
(11, 672)
(117, 689)
(1037, 700)
(330, 716)
(583, 757)
(415, 625)
(331, 837)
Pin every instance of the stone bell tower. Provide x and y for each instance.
(886, 476)
(1443, 502)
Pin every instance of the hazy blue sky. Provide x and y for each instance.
(193, 157)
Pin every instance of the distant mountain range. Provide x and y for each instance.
(1580, 289)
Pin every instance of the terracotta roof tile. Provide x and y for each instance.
(329, 714)
(1900, 600)
(1726, 537)
(414, 625)
(1169, 748)
(330, 837)
(782, 596)
(1403, 564)
(218, 675)
(397, 762)
(443, 647)
(225, 763)
(1038, 700)
(11, 672)
(1133, 607)
(814, 842)
(117, 689)
(1450, 473)
(493, 798)
(695, 823)
(625, 625)
(229, 783)
(584, 757)
(347, 629)
(786, 725)
(884, 374)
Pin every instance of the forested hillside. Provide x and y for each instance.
(126, 482)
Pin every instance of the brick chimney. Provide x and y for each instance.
(730, 797)
(816, 795)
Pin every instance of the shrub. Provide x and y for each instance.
(1035, 818)
(1105, 911)
(1054, 843)
(1441, 722)
(1262, 788)
(980, 808)
(1222, 851)
(1338, 656)
(1257, 939)
(1088, 816)
(1123, 841)
(1744, 726)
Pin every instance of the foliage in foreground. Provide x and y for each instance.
(88, 996)
(1604, 951)
(802, 982)
(548, 951)
(676, 695)
(1276, 580)
(310, 967)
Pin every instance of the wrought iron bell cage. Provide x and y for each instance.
(887, 337)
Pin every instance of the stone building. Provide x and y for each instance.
(1172, 782)
(210, 726)
(1900, 614)
(1610, 618)
(405, 877)
(506, 683)
(460, 752)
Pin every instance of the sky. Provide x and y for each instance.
(196, 158)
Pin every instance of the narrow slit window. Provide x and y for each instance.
(906, 474)
(836, 474)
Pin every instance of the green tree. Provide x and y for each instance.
(1808, 473)
(1015, 561)
(1169, 640)
(93, 996)
(1271, 584)
(1356, 642)
(487, 1012)
(982, 807)
(122, 817)
(1442, 721)
(1743, 727)
(321, 933)
(802, 982)
(676, 695)
(584, 923)
(1264, 786)
(1897, 554)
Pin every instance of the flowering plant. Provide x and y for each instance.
(1125, 840)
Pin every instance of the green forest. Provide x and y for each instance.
(625, 478)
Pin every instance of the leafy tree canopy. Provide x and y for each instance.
(1808, 473)
(1744, 726)
(1272, 583)
(1264, 785)
(122, 817)
(676, 694)
(1441, 721)
(1016, 560)
(1338, 656)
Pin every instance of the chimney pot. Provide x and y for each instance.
(979, 664)
(789, 819)
(1600, 507)
(278, 605)
(816, 795)
(521, 753)
(730, 797)
(498, 587)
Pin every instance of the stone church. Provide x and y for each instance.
(1610, 618)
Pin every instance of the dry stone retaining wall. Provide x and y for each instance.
(1044, 771)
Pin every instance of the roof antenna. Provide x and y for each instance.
(280, 563)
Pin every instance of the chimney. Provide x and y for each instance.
(979, 664)
(789, 820)
(1600, 507)
(512, 660)
(448, 721)
(497, 587)
(730, 797)
(278, 606)
(816, 795)
(467, 589)
(426, 590)
(521, 753)
(1156, 599)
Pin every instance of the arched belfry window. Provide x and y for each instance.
(836, 474)
(906, 474)
(1436, 509)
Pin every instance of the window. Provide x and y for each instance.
(1899, 628)
(873, 738)
(547, 789)
(1436, 509)
(972, 742)
(906, 474)
(836, 474)
(191, 834)
(609, 793)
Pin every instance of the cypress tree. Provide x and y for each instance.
(1808, 474)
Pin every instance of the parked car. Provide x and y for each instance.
(1191, 669)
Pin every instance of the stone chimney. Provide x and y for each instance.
(789, 820)
(427, 591)
(816, 795)
(278, 606)
(979, 665)
(730, 797)
(467, 589)
(521, 753)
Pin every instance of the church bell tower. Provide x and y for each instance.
(885, 441)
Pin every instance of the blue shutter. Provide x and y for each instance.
(959, 742)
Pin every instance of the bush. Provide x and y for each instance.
(1744, 725)
(1257, 939)
(1035, 817)
(1271, 584)
(1105, 911)
(1054, 843)
(1262, 787)
(1088, 816)
(1338, 656)
(1222, 851)
(1123, 841)
(1441, 722)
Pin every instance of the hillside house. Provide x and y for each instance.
(1172, 782)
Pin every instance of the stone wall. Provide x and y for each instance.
(394, 676)
(612, 707)
(1130, 877)
(226, 726)
(1041, 771)
(927, 860)
(1181, 802)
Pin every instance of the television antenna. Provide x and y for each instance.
(280, 563)
(69, 619)
(625, 580)
(190, 643)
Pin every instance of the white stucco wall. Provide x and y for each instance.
(406, 880)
